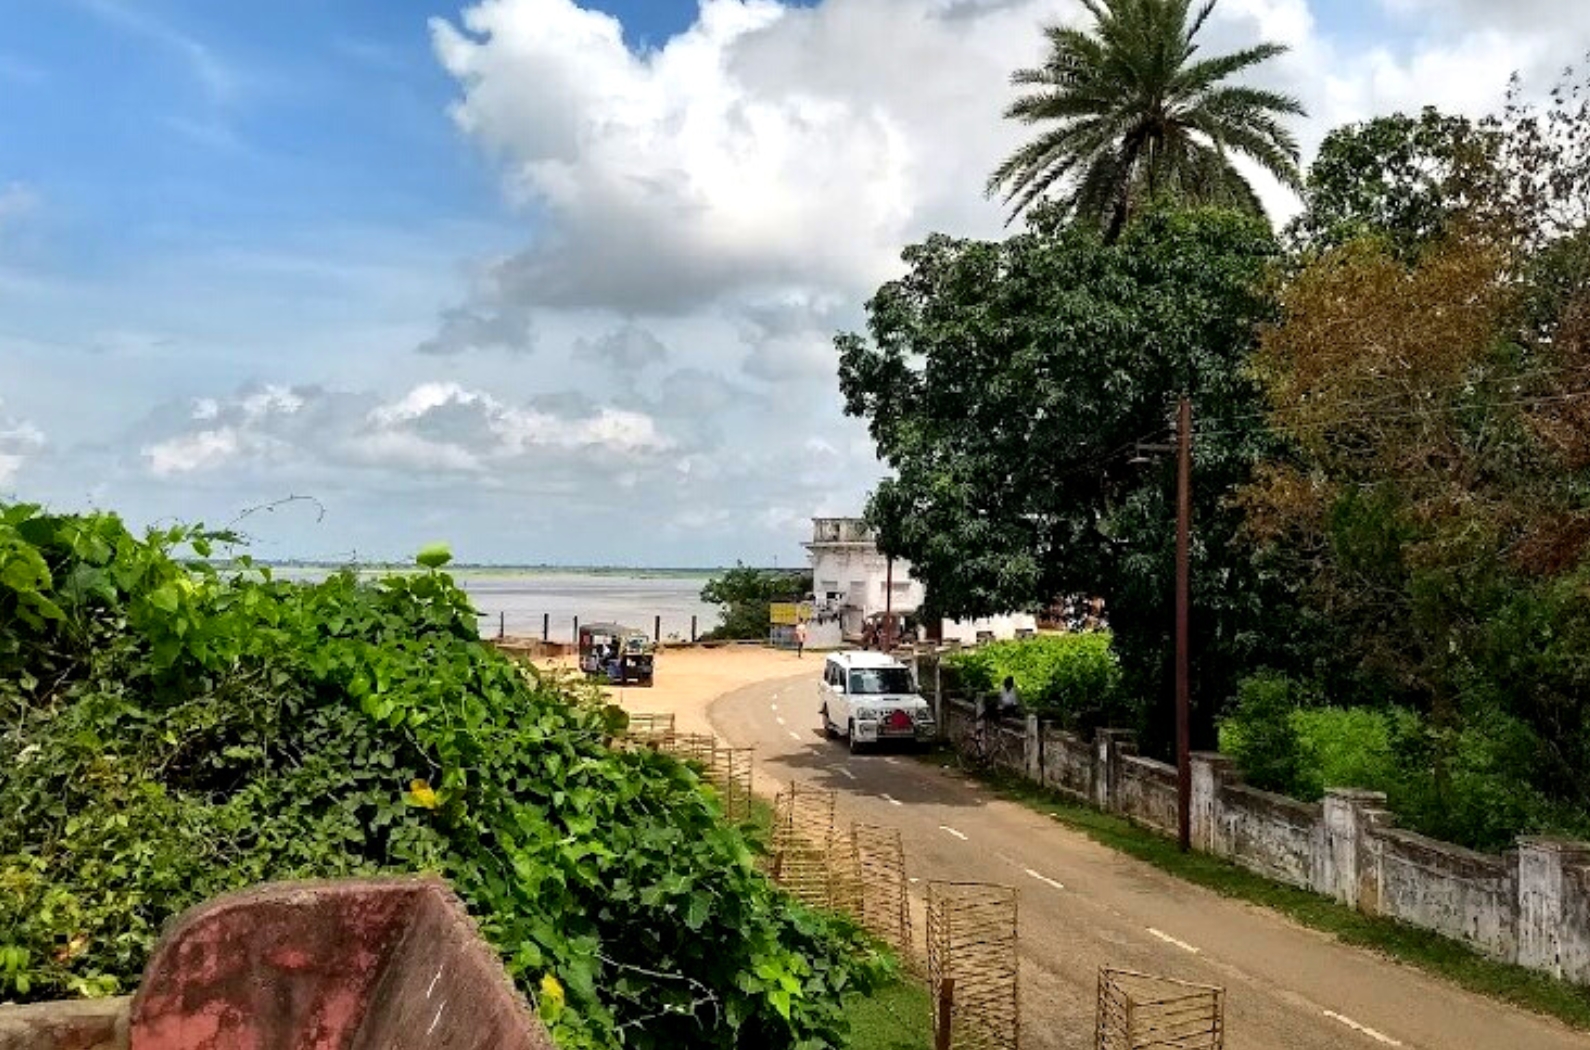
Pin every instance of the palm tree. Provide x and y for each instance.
(1130, 116)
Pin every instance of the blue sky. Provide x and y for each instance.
(510, 273)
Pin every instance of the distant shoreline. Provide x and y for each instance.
(466, 569)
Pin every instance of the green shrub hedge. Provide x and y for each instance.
(169, 732)
(1073, 679)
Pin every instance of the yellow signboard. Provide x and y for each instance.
(788, 614)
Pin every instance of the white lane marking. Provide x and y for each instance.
(913, 881)
(1168, 939)
(1365, 1029)
(949, 830)
(773, 706)
(846, 773)
(437, 1019)
(1045, 879)
(892, 800)
(780, 720)
(794, 735)
(438, 977)
(891, 761)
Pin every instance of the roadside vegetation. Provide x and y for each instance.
(169, 733)
(1073, 680)
(1391, 403)
(745, 598)
(1405, 944)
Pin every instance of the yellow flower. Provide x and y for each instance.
(551, 990)
(421, 794)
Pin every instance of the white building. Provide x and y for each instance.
(852, 581)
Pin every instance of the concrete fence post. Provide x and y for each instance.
(1350, 870)
(1549, 938)
(1211, 772)
(1033, 749)
(1109, 747)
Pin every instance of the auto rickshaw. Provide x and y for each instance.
(620, 654)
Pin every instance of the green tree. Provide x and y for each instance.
(1129, 113)
(1431, 379)
(1006, 384)
(745, 597)
(1399, 178)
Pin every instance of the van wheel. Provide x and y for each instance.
(855, 747)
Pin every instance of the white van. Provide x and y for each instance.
(868, 698)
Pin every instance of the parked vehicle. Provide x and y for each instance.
(615, 652)
(869, 698)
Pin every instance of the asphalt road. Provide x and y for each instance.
(1083, 906)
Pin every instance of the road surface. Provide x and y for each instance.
(1083, 906)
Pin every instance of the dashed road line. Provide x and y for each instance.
(1168, 939)
(773, 706)
(794, 735)
(780, 719)
(891, 761)
(951, 831)
(892, 800)
(1379, 1037)
(1046, 880)
(846, 773)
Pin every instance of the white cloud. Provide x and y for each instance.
(774, 151)
(19, 441)
(765, 146)
(190, 453)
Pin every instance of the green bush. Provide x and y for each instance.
(1070, 678)
(1262, 736)
(1350, 747)
(168, 733)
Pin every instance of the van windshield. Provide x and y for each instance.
(879, 681)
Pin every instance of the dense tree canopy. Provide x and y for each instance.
(1399, 179)
(1007, 384)
(1431, 379)
(1129, 113)
(745, 597)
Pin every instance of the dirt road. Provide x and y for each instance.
(1083, 906)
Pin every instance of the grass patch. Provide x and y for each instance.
(1422, 949)
(894, 1018)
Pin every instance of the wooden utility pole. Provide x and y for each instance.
(1183, 601)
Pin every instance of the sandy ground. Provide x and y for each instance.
(689, 680)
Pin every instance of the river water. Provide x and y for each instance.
(523, 602)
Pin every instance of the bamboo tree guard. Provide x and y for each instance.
(972, 965)
(1140, 1012)
(803, 844)
(691, 747)
(882, 897)
(729, 770)
(649, 730)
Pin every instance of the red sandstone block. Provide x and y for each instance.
(388, 963)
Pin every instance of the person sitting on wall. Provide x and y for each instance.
(1009, 701)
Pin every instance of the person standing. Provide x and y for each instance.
(800, 640)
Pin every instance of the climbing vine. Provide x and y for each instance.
(171, 730)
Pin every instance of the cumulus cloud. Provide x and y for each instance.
(19, 440)
(627, 347)
(502, 326)
(434, 426)
(775, 151)
(749, 151)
